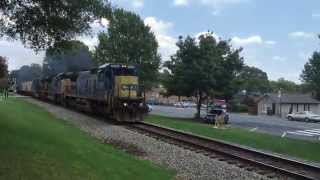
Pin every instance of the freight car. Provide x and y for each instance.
(111, 90)
(25, 88)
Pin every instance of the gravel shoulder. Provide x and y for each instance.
(187, 164)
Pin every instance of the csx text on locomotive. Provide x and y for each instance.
(111, 90)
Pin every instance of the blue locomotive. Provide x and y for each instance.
(111, 90)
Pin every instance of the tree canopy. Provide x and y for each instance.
(41, 23)
(253, 80)
(284, 86)
(3, 67)
(203, 68)
(129, 41)
(311, 73)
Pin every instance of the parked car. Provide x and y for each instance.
(185, 104)
(150, 108)
(189, 104)
(178, 105)
(214, 113)
(304, 116)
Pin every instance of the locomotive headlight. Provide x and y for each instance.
(125, 104)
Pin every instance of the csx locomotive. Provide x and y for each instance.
(111, 90)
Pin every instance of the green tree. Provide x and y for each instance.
(129, 41)
(283, 85)
(67, 56)
(311, 73)
(204, 68)
(41, 23)
(253, 80)
(3, 67)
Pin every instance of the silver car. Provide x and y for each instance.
(304, 116)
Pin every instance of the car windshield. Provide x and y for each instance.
(313, 114)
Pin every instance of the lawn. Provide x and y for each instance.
(36, 145)
(296, 148)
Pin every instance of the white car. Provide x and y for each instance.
(304, 116)
(189, 104)
(178, 105)
(150, 108)
(185, 104)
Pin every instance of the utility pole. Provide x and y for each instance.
(280, 96)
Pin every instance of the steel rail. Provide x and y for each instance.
(264, 161)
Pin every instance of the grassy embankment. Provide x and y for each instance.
(36, 145)
(296, 148)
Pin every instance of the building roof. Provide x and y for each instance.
(291, 98)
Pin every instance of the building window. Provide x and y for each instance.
(308, 107)
(291, 109)
(304, 107)
(297, 107)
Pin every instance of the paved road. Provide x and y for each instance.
(266, 124)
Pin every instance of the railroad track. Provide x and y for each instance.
(265, 164)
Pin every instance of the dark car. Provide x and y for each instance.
(214, 113)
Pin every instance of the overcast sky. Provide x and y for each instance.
(277, 36)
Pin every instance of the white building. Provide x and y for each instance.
(273, 104)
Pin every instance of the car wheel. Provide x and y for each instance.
(290, 118)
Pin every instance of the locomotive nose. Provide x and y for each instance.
(126, 87)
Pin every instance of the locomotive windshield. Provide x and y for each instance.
(124, 71)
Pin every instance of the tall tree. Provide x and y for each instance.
(67, 56)
(204, 68)
(3, 73)
(129, 41)
(284, 86)
(253, 80)
(41, 23)
(3, 67)
(311, 73)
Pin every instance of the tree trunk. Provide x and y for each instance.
(199, 105)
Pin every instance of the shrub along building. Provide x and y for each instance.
(273, 104)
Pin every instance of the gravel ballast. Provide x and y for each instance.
(187, 164)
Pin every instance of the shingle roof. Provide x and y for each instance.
(292, 98)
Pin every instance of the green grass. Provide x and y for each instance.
(296, 148)
(35, 145)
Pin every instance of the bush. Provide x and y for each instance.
(241, 108)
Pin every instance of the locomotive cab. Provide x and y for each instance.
(127, 105)
(126, 82)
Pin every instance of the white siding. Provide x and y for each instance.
(285, 108)
(263, 105)
(266, 102)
